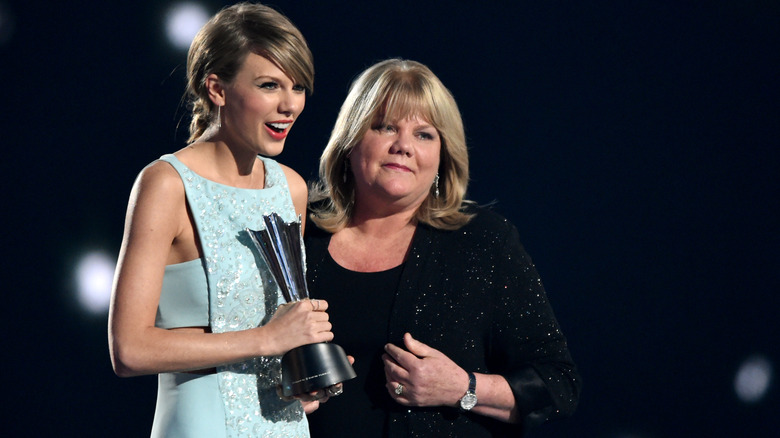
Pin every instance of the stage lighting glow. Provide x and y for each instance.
(6, 24)
(183, 21)
(94, 277)
(753, 379)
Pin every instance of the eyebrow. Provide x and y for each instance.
(275, 78)
(265, 76)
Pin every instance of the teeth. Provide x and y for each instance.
(279, 126)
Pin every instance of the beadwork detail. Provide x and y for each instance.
(243, 296)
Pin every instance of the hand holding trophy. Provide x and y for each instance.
(309, 367)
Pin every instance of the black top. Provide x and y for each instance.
(359, 313)
(473, 294)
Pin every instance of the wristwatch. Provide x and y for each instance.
(469, 400)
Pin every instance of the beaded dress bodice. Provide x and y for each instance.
(242, 294)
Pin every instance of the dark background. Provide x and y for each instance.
(634, 145)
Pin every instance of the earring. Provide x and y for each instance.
(436, 185)
(344, 176)
(219, 116)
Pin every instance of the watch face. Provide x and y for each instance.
(468, 401)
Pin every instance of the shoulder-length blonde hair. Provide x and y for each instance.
(392, 90)
(222, 45)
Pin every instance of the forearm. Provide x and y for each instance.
(156, 350)
(495, 398)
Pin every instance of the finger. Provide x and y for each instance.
(401, 356)
(310, 406)
(418, 348)
(395, 388)
(398, 391)
(335, 390)
(393, 351)
(394, 371)
(319, 395)
(322, 396)
(318, 304)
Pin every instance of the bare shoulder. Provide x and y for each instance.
(161, 175)
(298, 190)
(292, 176)
(295, 181)
(159, 183)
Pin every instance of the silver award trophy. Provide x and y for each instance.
(309, 367)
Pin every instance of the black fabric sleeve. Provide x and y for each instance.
(526, 345)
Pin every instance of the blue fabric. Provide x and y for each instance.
(184, 299)
(187, 406)
(241, 295)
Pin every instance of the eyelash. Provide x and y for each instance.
(273, 85)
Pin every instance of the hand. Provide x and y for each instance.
(311, 401)
(429, 377)
(299, 323)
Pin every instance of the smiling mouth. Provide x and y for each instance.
(278, 127)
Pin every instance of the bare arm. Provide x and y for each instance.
(154, 222)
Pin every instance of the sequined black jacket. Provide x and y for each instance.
(475, 295)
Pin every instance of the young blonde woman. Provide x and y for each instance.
(192, 301)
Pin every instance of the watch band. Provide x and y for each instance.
(469, 400)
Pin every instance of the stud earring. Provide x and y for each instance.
(436, 185)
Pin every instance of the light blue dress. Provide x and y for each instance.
(226, 291)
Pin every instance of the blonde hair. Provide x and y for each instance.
(222, 45)
(392, 90)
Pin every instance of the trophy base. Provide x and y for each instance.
(313, 367)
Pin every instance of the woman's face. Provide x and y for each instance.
(261, 105)
(396, 162)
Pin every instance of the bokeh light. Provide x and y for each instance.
(94, 276)
(183, 21)
(7, 24)
(753, 379)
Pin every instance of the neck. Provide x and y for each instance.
(383, 226)
(231, 166)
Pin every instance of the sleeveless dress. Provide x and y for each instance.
(229, 289)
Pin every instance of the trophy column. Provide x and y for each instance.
(309, 367)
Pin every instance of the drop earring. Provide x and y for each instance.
(436, 185)
(219, 116)
(344, 176)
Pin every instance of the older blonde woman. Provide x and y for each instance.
(435, 297)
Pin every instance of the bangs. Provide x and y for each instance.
(406, 97)
(290, 62)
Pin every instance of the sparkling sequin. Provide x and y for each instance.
(474, 295)
(241, 296)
